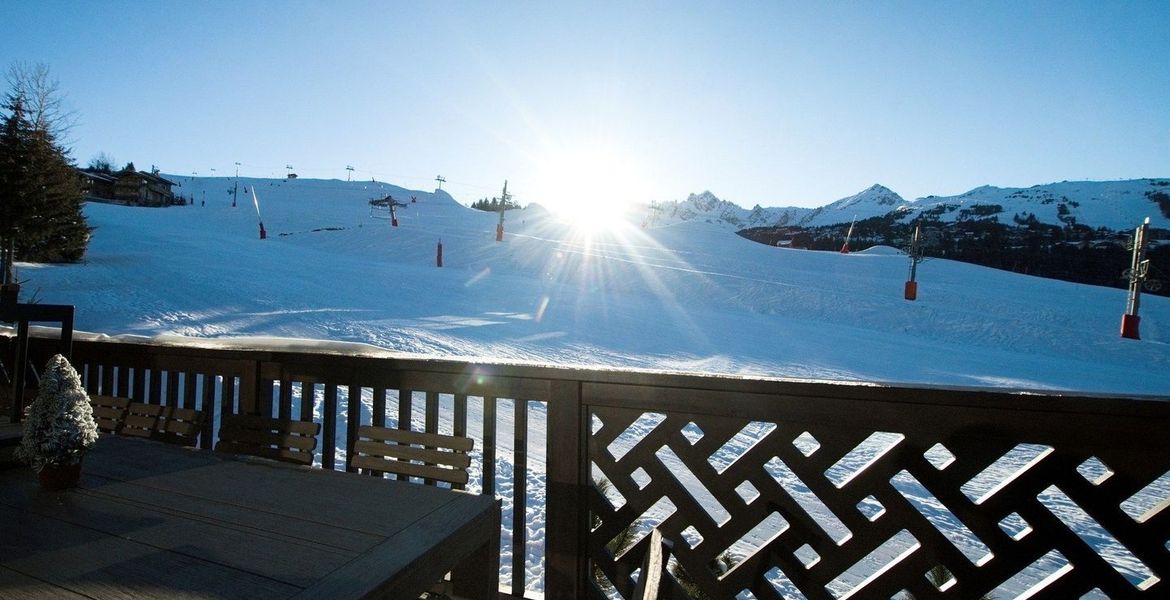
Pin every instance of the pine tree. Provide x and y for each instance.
(40, 194)
(102, 163)
(15, 157)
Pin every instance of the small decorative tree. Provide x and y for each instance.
(60, 426)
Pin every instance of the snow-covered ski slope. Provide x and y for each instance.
(682, 296)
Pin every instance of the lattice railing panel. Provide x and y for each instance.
(833, 508)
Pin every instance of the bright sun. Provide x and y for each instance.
(591, 185)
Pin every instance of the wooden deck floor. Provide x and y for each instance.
(154, 521)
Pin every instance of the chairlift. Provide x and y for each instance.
(381, 208)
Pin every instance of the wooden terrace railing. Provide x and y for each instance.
(767, 488)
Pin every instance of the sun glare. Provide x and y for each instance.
(592, 187)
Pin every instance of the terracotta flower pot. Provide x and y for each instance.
(56, 478)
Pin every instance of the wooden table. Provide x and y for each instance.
(152, 521)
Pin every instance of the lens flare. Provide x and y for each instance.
(541, 308)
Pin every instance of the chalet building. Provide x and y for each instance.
(96, 184)
(128, 187)
(138, 188)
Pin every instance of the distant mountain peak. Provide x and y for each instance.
(706, 207)
(880, 194)
(985, 189)
(705, 200)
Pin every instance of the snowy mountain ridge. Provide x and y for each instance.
(708, 208)
(875, 201)
(1116, 205)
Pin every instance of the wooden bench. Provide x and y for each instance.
(180, 426)
(141, 420)
(109, 412)
(431, 456)
(279, 439)
(406, 454)
(169, 424)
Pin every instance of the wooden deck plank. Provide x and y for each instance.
(370, 508)
(18, 586)
(227, 542)
(94, 564)
(378, 509)
(207, 528)
(405, 554)
(151, 512)
(235, 515)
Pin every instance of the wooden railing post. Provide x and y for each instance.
(565, 536)
(353, 415)
(250, 388)
(19, 368)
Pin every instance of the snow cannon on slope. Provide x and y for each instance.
(915, 253)
(1136, 273)
(845, 246)
(504, 197)
(256, 203)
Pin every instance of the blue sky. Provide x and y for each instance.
(770, 103)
